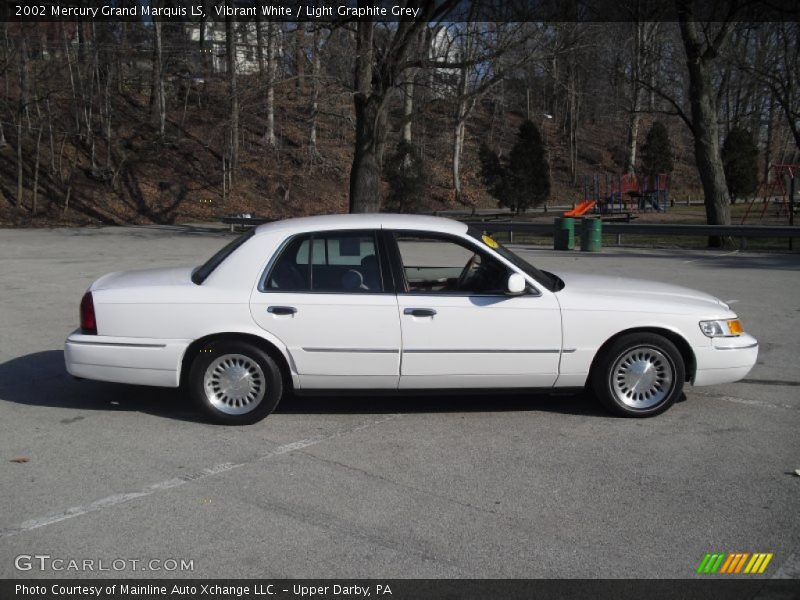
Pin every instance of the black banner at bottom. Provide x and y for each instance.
(398, 589)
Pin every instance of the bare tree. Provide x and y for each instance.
(644, 34)
(233, 93)
(776, 65)
(316, 74)
(271, 71)
(485, 55)
(158, 107)
(702, 43)
(24, 99)
(409, 83)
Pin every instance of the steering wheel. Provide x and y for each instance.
(464, 276)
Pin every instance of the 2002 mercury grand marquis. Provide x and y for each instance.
(391, 302)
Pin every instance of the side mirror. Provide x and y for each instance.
(516, 284)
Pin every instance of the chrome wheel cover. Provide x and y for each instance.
(234, 384)
(642, 377)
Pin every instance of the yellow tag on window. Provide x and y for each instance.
(489, 241)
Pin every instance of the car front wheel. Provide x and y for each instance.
(639, 375)
(235, 383)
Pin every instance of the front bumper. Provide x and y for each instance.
(726, 360)
(138, 361)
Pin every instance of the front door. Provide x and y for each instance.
(460, 329)
(328, 299)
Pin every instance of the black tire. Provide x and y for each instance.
(223, 361)
(620, 363)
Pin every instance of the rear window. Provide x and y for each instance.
(332, 262)
(201, 273)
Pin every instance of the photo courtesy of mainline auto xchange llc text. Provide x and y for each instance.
(227, 590)
(408, 299)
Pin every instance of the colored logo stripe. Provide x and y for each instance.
(734, 563)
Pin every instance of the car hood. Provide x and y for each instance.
(580, 289)
(144, 278)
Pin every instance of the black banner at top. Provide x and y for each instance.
(399, 10)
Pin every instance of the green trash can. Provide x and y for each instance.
(591, 235)
(564, 233)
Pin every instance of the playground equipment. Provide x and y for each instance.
(581, 209)
(623, 193)
(775, 187)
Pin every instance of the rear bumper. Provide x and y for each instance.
(138, 361)
(726, 360)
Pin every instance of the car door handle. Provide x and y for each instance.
(282, 310)
(419, 312)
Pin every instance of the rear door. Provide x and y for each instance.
(329, 297)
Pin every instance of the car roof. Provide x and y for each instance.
(363, 221)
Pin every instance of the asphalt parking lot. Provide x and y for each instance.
(467, 487)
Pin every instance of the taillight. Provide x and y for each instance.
(88, 321)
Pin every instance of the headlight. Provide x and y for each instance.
(728, 328)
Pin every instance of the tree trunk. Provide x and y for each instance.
(109, 78)
(636, 91)
(408, 106)
(206, 60)
(299, 53)
(22, 109)
(704, 124)
(269, 134)
(230, 50)
(157, 103)
(458, 146)
(19, 163)
(768, 144)
(259, 40)
(68, 55)
(315, 74)
(364, 174)
(35, 194)
(461, 117)
(633, 135)
(381, 128)
(369, 98)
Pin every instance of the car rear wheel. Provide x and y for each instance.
(639, 375)
(235, 383)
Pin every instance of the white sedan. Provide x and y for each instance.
(390, 303)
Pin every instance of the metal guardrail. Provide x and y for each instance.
(736, 231)
(741, 232)
(245, 221)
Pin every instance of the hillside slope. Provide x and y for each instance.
(178, 178)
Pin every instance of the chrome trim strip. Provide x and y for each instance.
(123, 367)
(477, 351)
(360, 350)
(735, 347)
(116, 344)
(569, 350)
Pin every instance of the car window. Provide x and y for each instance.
(548, 280)
(435, 264)
(329, 262)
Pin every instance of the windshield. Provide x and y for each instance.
(201, 273)
(548, 280)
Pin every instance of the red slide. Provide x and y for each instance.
(581, 209)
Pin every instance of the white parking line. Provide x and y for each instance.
(117, 499)
(711, 257)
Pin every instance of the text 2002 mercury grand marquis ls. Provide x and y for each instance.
(391, 302)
